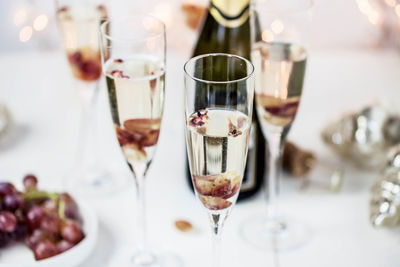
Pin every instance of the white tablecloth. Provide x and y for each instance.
(38, 90)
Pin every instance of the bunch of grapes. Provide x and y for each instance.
(48, 223)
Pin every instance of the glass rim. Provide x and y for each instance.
(58, 7)
(124, 39)
(307, 7)
(287, 42)
(248, 63)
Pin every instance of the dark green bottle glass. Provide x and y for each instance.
(226, 29)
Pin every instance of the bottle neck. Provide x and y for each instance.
(230, 13)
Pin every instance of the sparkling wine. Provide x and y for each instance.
(136, 96)
(226, 29)
(279, 76)
(79, 27)
(217, 141)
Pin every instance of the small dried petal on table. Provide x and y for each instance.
(183, 225)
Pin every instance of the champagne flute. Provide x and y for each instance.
(218, 132)
(133, 55)
(280, 63)
(79, 22)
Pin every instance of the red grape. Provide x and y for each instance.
(35, 237)
(8, 221)
(45, 249)
(64, 245)
(7, 188)
(71, 208)
(30, 182)
(71, 232)
(13, 202)
(20, 232)
(50, 224)
(34, 217)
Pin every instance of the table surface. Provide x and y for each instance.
(37, 89)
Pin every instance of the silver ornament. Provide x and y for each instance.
(364, 137)
(385, 200)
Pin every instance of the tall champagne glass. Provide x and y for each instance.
(79, 22)
(217, 132)
(133, 55)
(280, 62)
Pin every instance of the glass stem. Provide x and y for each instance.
(142, 256)
(141, 213)
(87, 133)
(275, 148)
(217, 221)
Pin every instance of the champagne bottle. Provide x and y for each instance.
(226, 29)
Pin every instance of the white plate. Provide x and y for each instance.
(21, 256)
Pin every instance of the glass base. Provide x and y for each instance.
(275, 234)
(96, 182)
(125, 258)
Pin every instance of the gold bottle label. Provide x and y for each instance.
(230, 14)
